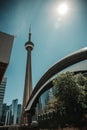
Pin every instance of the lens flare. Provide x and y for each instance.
(62, 9)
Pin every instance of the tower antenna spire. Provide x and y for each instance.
(30, 29)
(30, 33)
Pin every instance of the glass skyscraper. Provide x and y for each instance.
(13, 114)
(2, 92)
(14, 110)
(4, 111)
(18, 113)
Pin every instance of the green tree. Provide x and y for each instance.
(82, 84)
(72, 98)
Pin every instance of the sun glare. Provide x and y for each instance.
(62, 9)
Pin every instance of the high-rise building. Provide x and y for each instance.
(8, 119)
(4, 111)
(28, 76)
(2, 92)
(14, 110)
(13, 114)
(6, 42)
(18, 113)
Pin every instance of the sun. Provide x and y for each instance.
(62, 9)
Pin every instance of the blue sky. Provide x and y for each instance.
(54, 37)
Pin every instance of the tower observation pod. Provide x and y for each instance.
(28, 78)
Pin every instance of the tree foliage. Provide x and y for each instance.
(72, 98)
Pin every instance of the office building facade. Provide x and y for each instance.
(14, 111)
(19, 113)
(4, 111)
(9, 119)
(6, 42)
(2, 93)
(13, 114)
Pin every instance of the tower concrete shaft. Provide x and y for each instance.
(28, 79)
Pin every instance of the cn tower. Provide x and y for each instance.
(28, 75)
